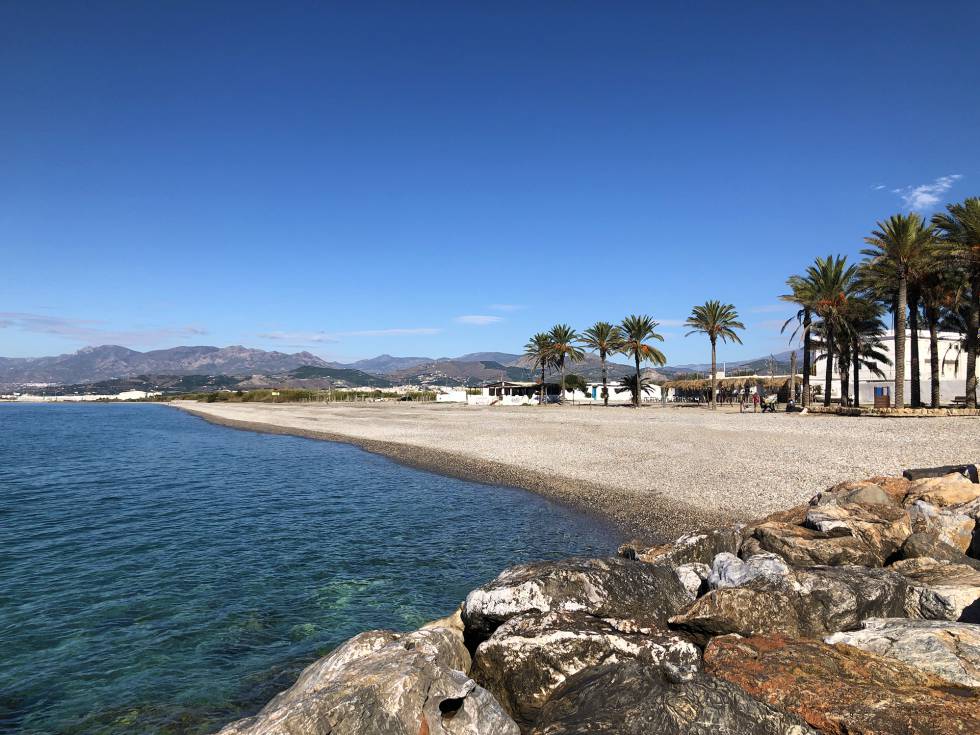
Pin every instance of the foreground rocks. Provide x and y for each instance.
(842, 689)
(854, 613)
(632, 699)
(385, 683)
(950, 651)
(531, 655)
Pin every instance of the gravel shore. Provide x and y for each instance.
(655, 472)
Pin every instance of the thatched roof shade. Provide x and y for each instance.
(737, 382)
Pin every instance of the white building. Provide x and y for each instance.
(952, 371)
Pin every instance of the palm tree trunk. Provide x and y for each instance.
(829, 373)
(807, 319)
(972, 327)
(541, 400)
(916, 392)
(900, 306)
(856, 358)
(636, 398)
(932, 319)
(845, 381)
(605, 389)
(714, 373)
(561, 388)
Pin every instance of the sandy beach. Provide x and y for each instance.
(654, 472)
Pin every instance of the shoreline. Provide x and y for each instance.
(662, 520)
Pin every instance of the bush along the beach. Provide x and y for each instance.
(855, 613)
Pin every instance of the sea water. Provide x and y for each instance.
(159, 574)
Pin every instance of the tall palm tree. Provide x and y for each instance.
(942, 289)
(959, 228)
(834, 281)
(899, 244)
(537, 352)
(564, 349)
(802, 294)
(635, 333)
(717, 320)
(603, 338)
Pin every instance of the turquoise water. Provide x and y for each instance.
(159, 574)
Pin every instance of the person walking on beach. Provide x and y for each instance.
(755, 402)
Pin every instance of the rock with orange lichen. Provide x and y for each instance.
(843, 690)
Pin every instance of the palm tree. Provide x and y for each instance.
(717, 320)
(803, 295)
(564, 348)
(899, 245)
(602, 337)
(629, 384)
(942, 290)
(959, 228)
(537, 352)
(833, 282)
(635, 333)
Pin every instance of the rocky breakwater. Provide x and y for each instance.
(855, 613)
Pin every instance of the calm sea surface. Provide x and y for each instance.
(159, 574)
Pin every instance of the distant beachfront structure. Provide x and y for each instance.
(521, 393)
(127, 395)
(952, 371)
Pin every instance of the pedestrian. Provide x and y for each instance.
(755, 402)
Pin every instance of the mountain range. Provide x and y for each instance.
(261, 368)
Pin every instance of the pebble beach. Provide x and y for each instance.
(654, 472)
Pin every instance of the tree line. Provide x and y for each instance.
(921, 272)
(633, 337)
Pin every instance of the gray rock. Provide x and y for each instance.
(383, 683)
(971, 509)
(865, 492)
(953, 489)
(806, 603)
(633, 699)
(881, 528)
(805, 547)
(613, 587)
(531, 655)
(942, 590)
(694, 577)
(700, 547)
(953, 528)
(929, 546)
(728, 570)
(948, 650)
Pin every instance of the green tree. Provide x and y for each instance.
(899, 246)
(564, 349)
(629, 383)
(834, 281)
(718, 321)
(959, 228)
(603, 338)
(635, 333)
(537, 352)
(803, 294)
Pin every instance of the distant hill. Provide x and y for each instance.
(92, 364)
(757, 365)
(504, 358)
(339, 376)
(384, 364)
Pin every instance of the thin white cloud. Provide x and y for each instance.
(328, 337)
(93, 331)
(924, 197)
(506, 307)
(879, 187)
(478, 319)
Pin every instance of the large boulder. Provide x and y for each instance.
(951, 527)
(942, 590)
(881, 528)
(930, 546)
(950, 651)
(613, 587)
(727, 570)
(700, 547)
(953, 489)
(531, 655)
(383, 683)
(632, 699)
(805, 603)
(841, 689)
(806, 547)
(868, 493)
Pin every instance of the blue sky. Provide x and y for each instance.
(439, 178)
